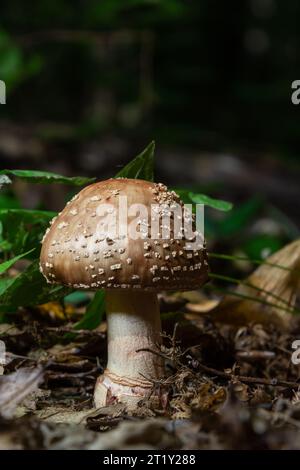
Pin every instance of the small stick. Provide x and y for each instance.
(255, 355)
(250, 380)
(66, 375)
(241, 378)
(173, 339)
(66, 329)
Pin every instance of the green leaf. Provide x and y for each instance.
(5, 246)
(8, 202)
(141, 167)
(30, 288)
(29, 215)
(239, 217)
(7, 264)
(261, 246)
(77, 298)
(209, 201)
(23, 229)
(45, 177)
(94, 313)
(4, 283)
(189, 196)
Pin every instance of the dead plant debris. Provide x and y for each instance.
(226, 387)
(228, 384)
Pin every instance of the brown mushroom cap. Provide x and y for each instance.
(75, 252)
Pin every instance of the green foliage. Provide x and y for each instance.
(8, 264)
(4, 283)
(94, 312)
(22, 229)
(210, 202)
(141, 167)
(235, 223)
(77, 297)
(239, 217)
(260, 246)
(29, 288)
(45, 177)
(13, 66)
(197, 198)
(8, 202)
(28, 215)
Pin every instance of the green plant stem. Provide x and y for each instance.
(254, 261)
(249, 297)
(248, 284)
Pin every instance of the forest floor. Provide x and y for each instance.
(227, 386)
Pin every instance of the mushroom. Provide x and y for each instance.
(89, 246)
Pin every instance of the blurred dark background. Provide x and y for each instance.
(90, 83)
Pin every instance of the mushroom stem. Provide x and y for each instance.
(133, 323)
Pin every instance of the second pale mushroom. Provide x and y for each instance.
(84, 250)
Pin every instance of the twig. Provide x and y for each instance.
(66, 329)
(157, 353)
(255, 355)
(173, 340)
(67, 375)
(241, 378)
(250, 380)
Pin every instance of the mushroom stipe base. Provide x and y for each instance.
(111, 389)
(133, 325)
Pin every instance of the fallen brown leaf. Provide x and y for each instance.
(15, 387)
(281, 284)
